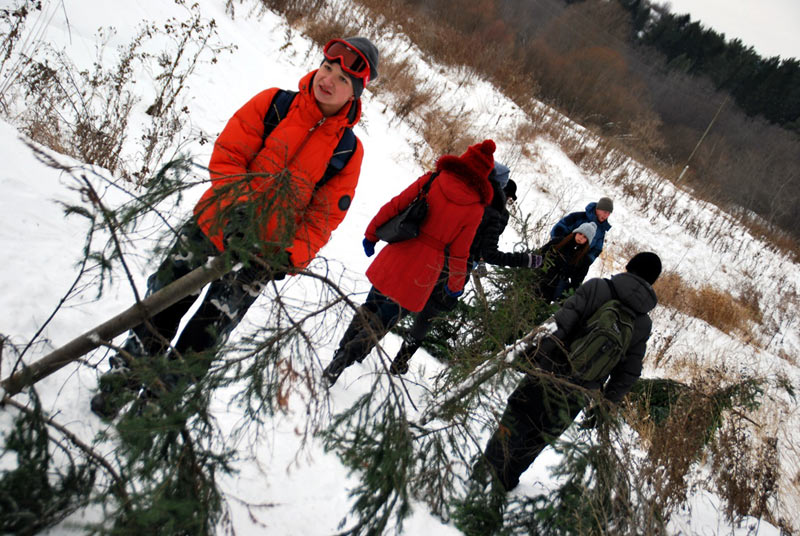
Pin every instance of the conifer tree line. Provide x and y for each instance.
(769, 87)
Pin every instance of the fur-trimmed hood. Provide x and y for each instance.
(465, 173)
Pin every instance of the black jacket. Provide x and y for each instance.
(558, 266)
(493, 223)
(634, 292)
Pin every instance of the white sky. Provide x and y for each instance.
(772, 27)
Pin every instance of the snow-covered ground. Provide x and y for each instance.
(307, 488)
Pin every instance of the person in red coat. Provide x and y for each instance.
(266, 207)
(404, 274)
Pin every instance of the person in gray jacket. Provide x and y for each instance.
(543, 406)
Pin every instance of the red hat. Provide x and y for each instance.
(479, 157)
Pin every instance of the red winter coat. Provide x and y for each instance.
(407, 271)
(243, 167)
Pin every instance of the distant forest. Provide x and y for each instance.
(768, 87)
(652, 83)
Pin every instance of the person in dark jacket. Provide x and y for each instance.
(543, 406)
(404, 274)
(484, 249)
(598, 213)
(565, 262)
(249, 206)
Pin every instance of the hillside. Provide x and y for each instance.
(283, 479)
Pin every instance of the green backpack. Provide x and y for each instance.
(603, 342)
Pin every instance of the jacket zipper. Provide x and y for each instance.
(305, 140)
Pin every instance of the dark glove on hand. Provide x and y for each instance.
(279, 272)
(536, 260)
(240, 238)
(595, 416)
(369, 247)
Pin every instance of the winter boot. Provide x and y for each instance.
(399, 365)
(336, 367)
(481, 510)
(356, 344)
(117, 386)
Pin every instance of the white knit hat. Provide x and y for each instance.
(587, 229)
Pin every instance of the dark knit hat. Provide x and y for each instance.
(606, 204)
(370, 52)
(511, 190)
(479, 157)
(501, 173)
(646, 265)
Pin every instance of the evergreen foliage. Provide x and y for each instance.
(662, 397)
(373, 438)
(600, 494)
(606, 487)
(167, 451)
(41, 490)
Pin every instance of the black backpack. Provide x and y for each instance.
(278, 109)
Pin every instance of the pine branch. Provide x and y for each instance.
(118, 487)
(485, 371)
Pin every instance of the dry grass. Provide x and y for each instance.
(781, 240)
(714, 418)
(672, 446)
(85, 113)
(746, 471)
(734, 316)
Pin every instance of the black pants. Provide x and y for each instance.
(376, 316)
(538, 411)
(437, 304)
(221, 310)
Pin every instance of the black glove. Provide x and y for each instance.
(279, 265)
(596, 416)
(240, 236)
(448, 299)
(369, 247)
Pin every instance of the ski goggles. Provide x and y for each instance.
(350, 58)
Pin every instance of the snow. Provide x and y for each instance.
(303, 489)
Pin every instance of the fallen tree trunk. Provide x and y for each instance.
(130, 318)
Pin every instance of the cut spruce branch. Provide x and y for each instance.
(486, 370)
(128, 319)
(118, 485)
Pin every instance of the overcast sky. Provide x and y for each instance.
(772, 27)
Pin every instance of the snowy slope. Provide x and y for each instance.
(305, 490)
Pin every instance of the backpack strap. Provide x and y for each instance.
(341, 156)
(615, 296)
(277, 110)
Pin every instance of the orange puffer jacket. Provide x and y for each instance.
(278, 175)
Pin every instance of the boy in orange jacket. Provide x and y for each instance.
(272, 203)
